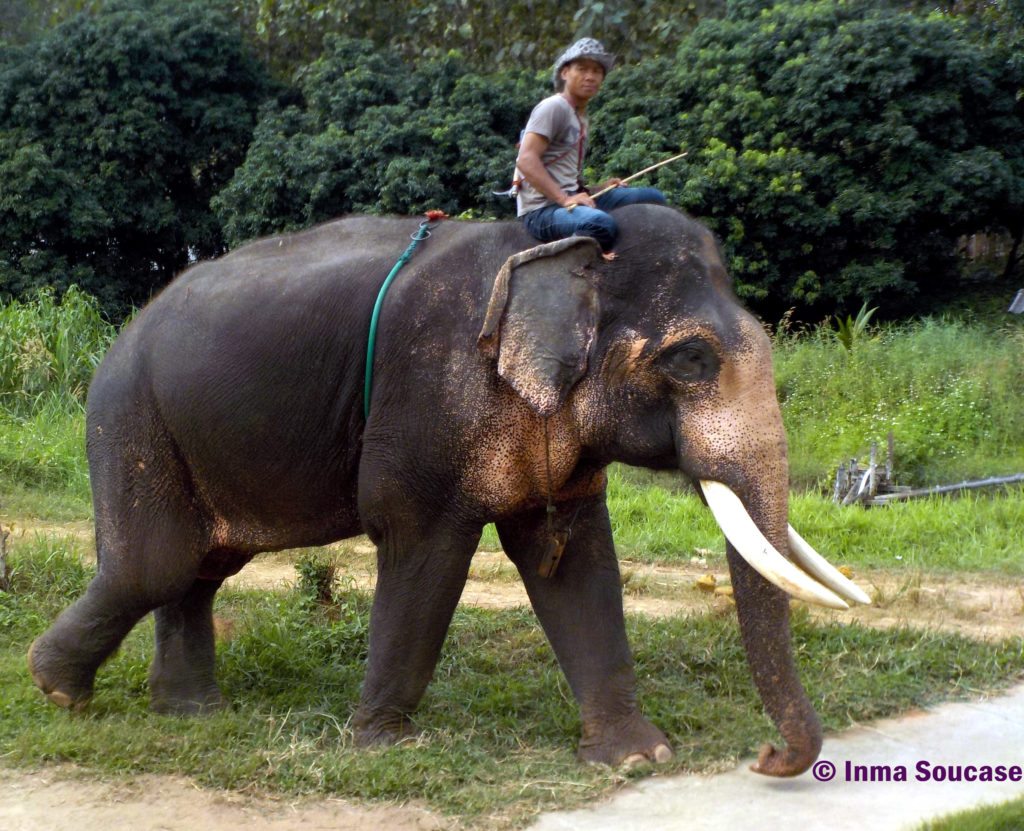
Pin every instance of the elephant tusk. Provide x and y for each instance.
(753, 546)
(823, 571)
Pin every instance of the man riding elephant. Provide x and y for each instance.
(553, 202)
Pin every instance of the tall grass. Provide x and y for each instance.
(950, 391)
(49, 349)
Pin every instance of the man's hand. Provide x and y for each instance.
(608, 184)
(581, 198)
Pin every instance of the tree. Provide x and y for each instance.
(523, 33)
(839, 149)
(23, 20)
(376, 134)
(116, 129)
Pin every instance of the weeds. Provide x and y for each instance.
(317, 574)
(949, 391)
(851, 331)
(49, 349)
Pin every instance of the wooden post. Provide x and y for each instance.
(872, 472)
(890, 456)
(5, 572)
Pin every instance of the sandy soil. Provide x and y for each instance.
(64, 799)
(59, 799)
(977, 605)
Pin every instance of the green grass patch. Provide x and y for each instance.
(499, 725)
(1006, 817)
(948, 389)
(658, 518)
(48, 352)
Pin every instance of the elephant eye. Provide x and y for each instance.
(693, 361)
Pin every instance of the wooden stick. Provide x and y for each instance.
(634, 176)
(5, 573)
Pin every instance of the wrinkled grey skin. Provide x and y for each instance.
(227, 420)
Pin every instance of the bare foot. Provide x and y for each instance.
(609, 256)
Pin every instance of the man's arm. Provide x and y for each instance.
(531, 165)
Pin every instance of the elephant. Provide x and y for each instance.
(227, 419)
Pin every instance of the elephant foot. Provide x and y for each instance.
(631, 742)
(57, 679)
(196, 704)
(382, 730)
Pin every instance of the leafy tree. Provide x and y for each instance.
(376, 134)
(521, 33)
(116, 129)
(839, 149)
(22, 20)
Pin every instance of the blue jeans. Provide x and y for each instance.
(553, 222)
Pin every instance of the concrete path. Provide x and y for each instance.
(989, 732)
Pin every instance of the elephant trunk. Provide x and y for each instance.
(733, 443)
(763, 611)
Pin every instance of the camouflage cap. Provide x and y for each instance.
(583, 48)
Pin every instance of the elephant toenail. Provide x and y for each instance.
(60, 699)
(662, 753)
(634, 760)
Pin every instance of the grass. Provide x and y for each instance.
(499, 725)
(48, 352)
(948, 389)
(1006, 817)
(660, 519)
(49, 349)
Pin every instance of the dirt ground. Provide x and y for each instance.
(59, 799)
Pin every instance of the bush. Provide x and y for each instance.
(838, 149)
(375, 134)
(116, 129)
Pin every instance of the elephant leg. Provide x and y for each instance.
(64, 659)
(763, 612)
(580, 609)
(181, 678)
(419, 584)
(149, 545)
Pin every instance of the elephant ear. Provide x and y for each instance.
(541, 320)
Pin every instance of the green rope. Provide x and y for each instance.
(421, 234)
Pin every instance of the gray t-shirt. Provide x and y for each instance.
(556, 120)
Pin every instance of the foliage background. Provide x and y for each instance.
(116, 129)
(840, 150)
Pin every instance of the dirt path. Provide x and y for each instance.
(63, 799)
(59, 799)
(977, 605)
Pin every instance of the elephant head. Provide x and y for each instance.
(654, 362)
